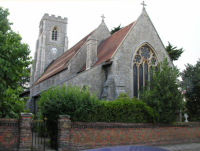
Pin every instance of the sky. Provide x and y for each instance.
(176, 21)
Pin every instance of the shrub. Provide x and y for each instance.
(82, 106)
(163, 94)
(125, 110)
(73, 100)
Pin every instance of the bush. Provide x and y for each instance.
(163, 93)
(125, 111)
(73, 100)
(82, 106)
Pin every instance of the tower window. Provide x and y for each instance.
(54, 34)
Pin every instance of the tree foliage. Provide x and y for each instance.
(14, 55)
(25, 81)
(163, 94)
(173, 52)
(11, 105)
(116, 29)
(191, 83)
(14, 59)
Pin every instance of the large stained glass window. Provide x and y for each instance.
(143, 61)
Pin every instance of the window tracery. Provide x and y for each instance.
(143, 61)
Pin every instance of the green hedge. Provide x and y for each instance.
(129, 111)
(82, 106)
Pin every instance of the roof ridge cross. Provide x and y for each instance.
(103, 16)
(143, 4)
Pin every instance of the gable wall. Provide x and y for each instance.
(79, 59)
(141, 32)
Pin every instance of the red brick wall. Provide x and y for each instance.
(9, 134)
(96, 135)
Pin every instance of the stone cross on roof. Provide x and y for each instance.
(102, 17)
(143, 4)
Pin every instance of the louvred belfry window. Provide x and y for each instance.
(54, 34)
(143, 62)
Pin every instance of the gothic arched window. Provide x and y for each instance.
(143, 61)
(54, 34)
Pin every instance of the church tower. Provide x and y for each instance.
(52, 42)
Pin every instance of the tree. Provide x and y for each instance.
(191, 83)
(25, 81)
(163, 93)
(173, 52)
(14, 55)
(14, 60)
(116, 29)
(12, 105)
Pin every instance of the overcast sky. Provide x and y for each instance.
(176, 21)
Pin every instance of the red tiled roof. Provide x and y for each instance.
(109, 45)
(61, 62)
(104, 53)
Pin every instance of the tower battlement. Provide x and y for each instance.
(53, 18)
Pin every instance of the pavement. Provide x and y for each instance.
(181, 147)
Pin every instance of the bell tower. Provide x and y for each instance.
(52, 42)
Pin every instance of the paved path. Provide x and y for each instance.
(181, 147)
(40, 145)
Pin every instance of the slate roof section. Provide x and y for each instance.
(60, 63)
(107, 48)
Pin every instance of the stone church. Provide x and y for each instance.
(108, 64)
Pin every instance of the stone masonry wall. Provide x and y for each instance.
(142, 32)
(98, 135)
(9, 134)
(93, 77)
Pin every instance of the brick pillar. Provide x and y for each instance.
(25, 131)
(64, 127)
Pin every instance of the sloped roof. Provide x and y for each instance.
(104, 52)
(107, 48)
(60, 63)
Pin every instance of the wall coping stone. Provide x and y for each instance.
(132, 125)
(8, 120)
(64, 116)
(26, 114)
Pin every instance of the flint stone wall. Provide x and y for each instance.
(142, 32)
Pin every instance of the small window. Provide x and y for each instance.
(54, 34)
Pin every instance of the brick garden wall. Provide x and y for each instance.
(80, 135)
(97, 135)
(9, 134)
(15, 134)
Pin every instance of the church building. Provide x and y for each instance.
(108, 64)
